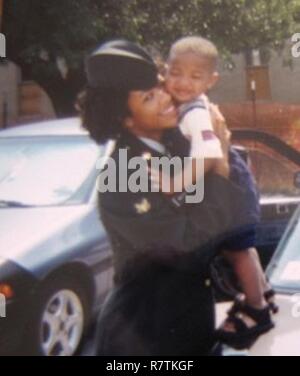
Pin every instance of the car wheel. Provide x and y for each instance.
(60, 318)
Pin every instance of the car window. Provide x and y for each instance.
(274, 174)
(42, 171)
(284, 269)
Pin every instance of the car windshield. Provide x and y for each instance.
(40, 171)
(284, 269)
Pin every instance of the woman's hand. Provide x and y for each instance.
(222, 132)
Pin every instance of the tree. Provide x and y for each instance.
(234, 25)
(43, 36)
(40, 35)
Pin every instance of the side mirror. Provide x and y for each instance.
(297, 180)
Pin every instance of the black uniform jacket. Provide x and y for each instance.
(162, 246)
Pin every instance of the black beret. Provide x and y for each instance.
(120, 64)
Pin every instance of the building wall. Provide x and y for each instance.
(35, 104)
(231, 87)
(21, 102)
(284, 80)
(10, 79)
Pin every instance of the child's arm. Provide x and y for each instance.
(205, 149)
(206, 153)
(198, 128)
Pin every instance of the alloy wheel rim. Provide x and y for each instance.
(62, 324)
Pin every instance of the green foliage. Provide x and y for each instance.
(32, 26)
(234, 25)
(39, 31)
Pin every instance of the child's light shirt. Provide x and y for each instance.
(196, 125)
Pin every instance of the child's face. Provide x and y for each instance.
(188, 76)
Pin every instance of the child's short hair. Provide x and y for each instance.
(198, 45)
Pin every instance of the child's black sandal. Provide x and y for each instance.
(244, 336)
(270, 296)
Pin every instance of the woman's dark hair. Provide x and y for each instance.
(113, 70)
(103, 112)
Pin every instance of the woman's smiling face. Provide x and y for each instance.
(151, 112)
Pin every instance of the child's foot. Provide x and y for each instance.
(270, 299)
(244, 325)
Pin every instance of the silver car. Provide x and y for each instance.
(55, 260)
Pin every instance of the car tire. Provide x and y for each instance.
(59, 320)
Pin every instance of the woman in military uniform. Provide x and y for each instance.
(162, 302)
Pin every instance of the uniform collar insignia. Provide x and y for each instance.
(143, 206)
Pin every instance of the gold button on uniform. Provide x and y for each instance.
(143, 206)
(207, 282)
